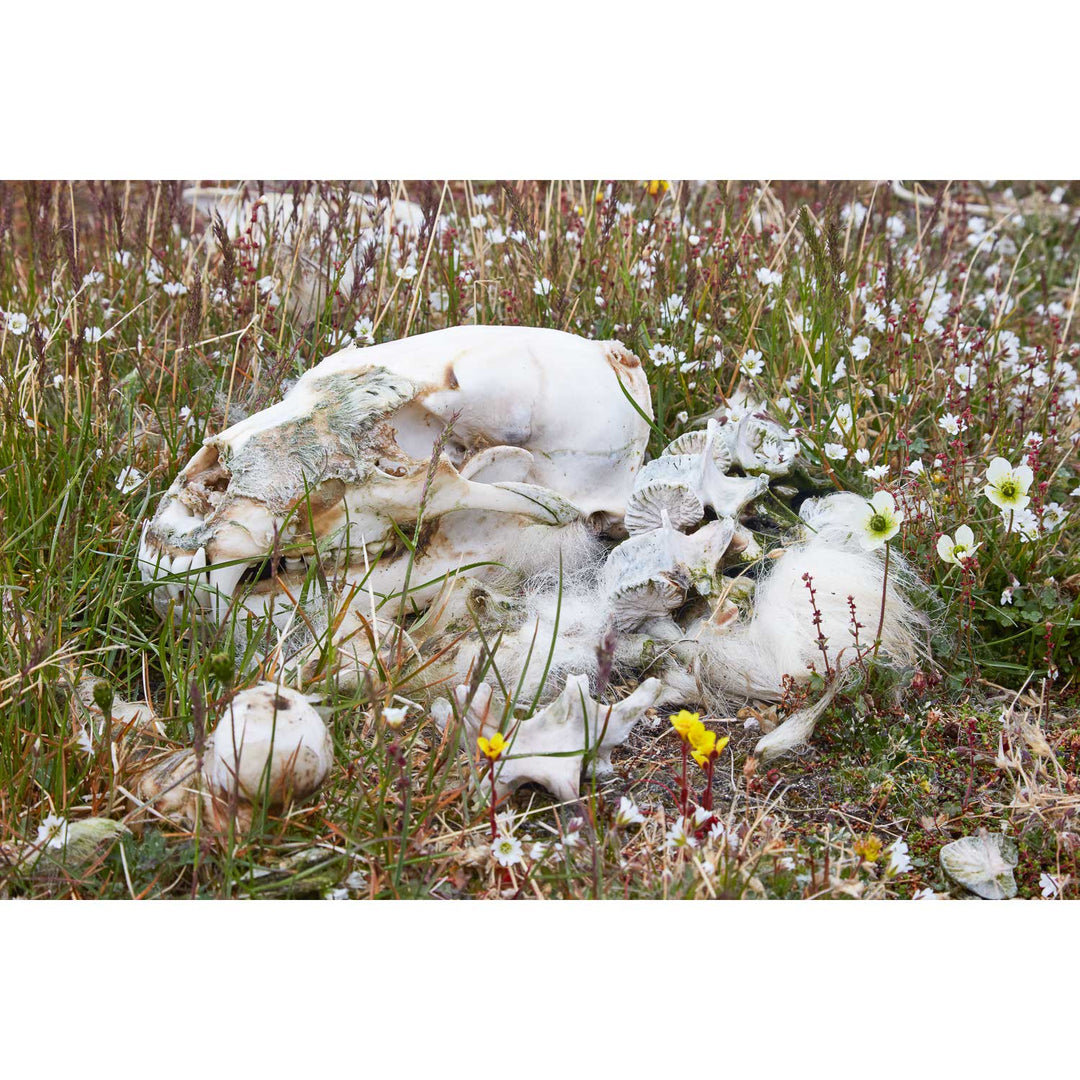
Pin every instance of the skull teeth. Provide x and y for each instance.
(211, 586)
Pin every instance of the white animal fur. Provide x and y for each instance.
(750, 659)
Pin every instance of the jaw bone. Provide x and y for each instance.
(550, 748)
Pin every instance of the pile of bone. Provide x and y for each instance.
(671, 550)
(649, 574)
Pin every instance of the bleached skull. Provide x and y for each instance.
(533, 432)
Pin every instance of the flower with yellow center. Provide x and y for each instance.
(959, 550)
(868, 847)
(687, 724)
(656, 187)
(492, 748)
(1008, 487)
(707, 746)
(881, 522)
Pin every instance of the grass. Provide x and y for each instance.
(144, 332)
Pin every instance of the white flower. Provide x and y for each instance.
(57, 381)
(174, 288)
(673, 309)
(860, 348)
(841, 422)
(862, 455)
(129, 479)
(395, 717)
(899, 861)
(1006, 596)
(956, 551)
(1049, 886)
(875, 317)
(52, 832)
(92, 334)
(876, 472)
(506, 821)
(768, 277)
(599, 298)
(572, 837)
(542, 287)
(1053, 516)
(16, 323)
(664, 355)
(1057, 194)
(123, 258)
(628, 813)
(881, 522)
(751, 364)
(1007, 487)
(364, 330)
(677, 836)
(951, 425)
(1022, 522)
(95, 277)
(836, 451)
(916, 467)
(926, 894)
(853, 210)
(965, 376)
(507, 851)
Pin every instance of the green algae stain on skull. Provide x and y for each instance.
(342, 436)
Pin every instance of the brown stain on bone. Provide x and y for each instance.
(619, 356)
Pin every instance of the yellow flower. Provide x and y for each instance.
(687, 724)
(707, 746)
(493, 747)
(656, 187)
(869, 847)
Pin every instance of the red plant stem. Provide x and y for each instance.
(683, 790)
(491, 797)
(707, 802)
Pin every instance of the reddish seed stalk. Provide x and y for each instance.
(683, 792)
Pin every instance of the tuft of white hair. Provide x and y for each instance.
(750, 659)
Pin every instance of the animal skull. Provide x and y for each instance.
(505, 434)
